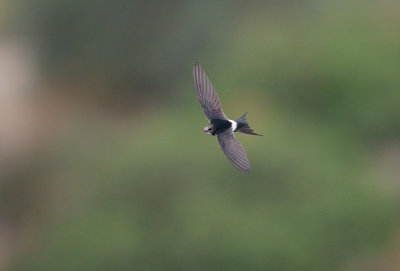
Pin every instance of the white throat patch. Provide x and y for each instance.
(234, 125)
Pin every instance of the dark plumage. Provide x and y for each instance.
(220, 125)
(244, 127)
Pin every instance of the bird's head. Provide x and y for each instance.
(209, 129)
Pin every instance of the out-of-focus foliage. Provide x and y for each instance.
(137, 185)
(143, 45)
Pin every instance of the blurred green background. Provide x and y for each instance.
(104, 165)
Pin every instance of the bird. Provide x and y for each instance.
(219, 124)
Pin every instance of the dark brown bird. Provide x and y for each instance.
(220, 125)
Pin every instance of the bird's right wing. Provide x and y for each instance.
(233, 150)
(207, 95)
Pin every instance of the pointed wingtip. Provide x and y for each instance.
(195, 68)
(242, 168)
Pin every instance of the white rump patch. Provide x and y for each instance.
(234, 125)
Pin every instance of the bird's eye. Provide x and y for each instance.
(209, 129)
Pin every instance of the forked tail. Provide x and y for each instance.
(244, 127)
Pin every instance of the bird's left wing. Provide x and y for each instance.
(207, 95)
(233, 150)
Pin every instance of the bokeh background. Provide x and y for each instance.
(104, 165)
